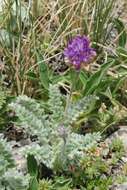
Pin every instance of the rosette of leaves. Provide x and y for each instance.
(43, 119)
(52, 123)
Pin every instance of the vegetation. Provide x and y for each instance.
(63, 85)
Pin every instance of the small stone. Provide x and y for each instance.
(24, 142)
(124, 159)
(120, 187)
(121, 134)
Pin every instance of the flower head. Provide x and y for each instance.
(79, 52)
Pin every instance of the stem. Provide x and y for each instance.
(34, 8)
(74, 75)
(74, 80)
(107, 127)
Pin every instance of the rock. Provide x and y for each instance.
(121, 134)
(124, 159)
(119, 187)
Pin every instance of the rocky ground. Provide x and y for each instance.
(18, 140)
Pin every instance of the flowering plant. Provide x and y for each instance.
(79, 52)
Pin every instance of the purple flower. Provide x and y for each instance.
(79, 52)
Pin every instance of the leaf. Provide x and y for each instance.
(83, 77)
(122, 32)
(60, 78)
(108, 93)
(32, 165)
(122, 53)
(119, 83)
(95, 80)
(33, 184)
(32, 76)
(43, 71)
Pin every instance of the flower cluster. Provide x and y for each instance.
(79, 52)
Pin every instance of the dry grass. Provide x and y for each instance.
(52, 24)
